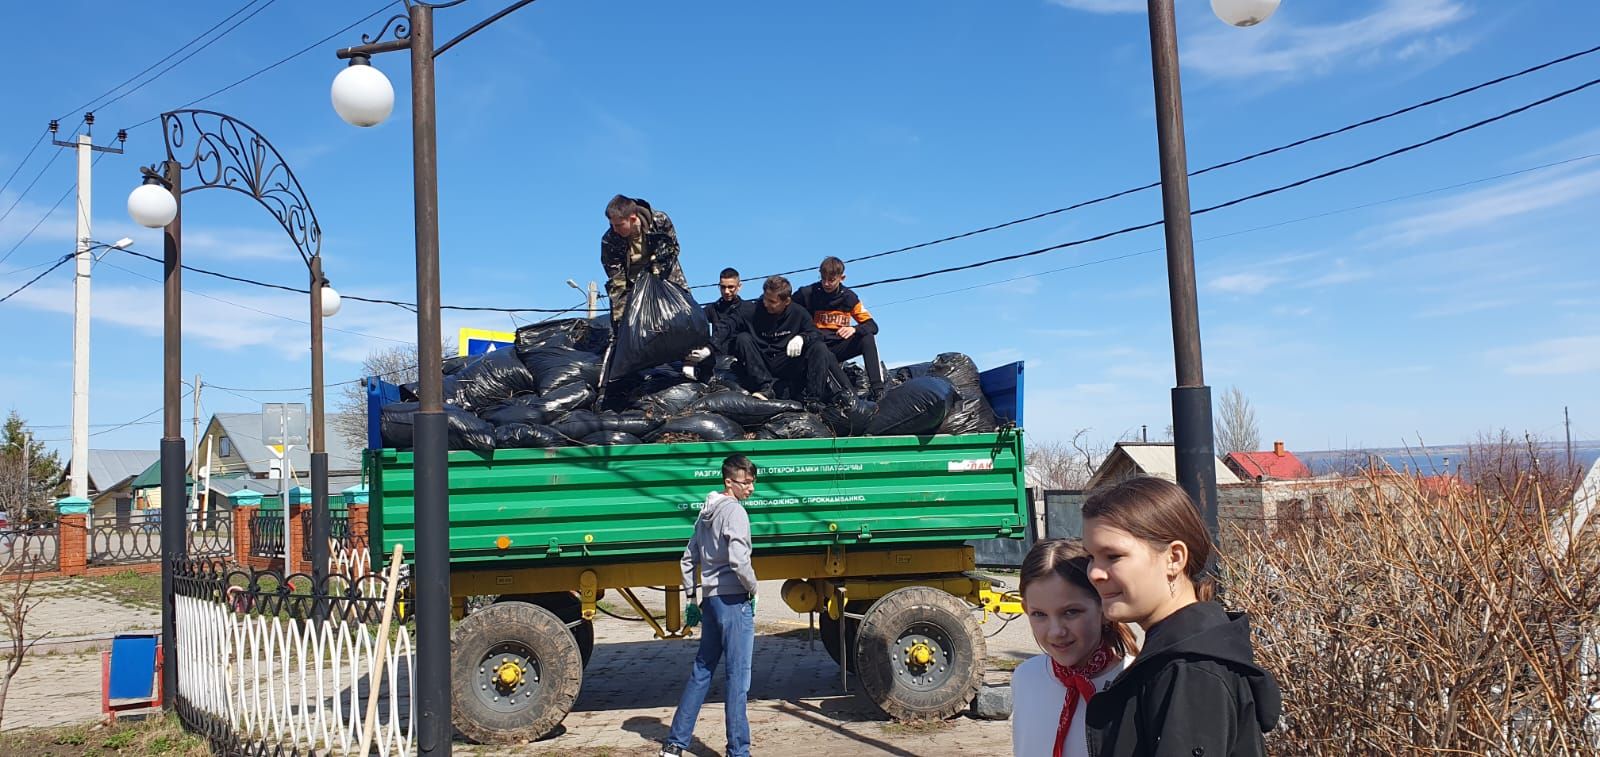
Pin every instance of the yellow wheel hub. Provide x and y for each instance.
(508, 674)
(919, 654)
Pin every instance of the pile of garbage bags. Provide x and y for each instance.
(546, 392)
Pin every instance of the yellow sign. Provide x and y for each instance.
(277, 449)
(480, 341)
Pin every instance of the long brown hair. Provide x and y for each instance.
(1158, 512)
(1066, 558)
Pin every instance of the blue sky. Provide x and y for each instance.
(775, 135)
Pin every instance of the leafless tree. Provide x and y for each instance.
(1431, 619)
(16, 583)
(1064, 465)
(397, 365)
(1235, 424)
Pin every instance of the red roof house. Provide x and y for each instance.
(1275, 465)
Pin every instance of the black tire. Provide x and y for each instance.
(909, 623)
(568, 608)
(549, 669)
(828, 629)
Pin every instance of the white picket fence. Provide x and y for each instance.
(296, 684)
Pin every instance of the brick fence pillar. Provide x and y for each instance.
(242, 518)
(72, 545)
(358, 523)
(297, 540)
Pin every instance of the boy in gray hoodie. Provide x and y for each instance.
(717, 570)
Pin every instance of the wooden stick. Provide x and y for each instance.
(375, 678)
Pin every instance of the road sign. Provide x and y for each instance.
(480, 341)
(283, 423)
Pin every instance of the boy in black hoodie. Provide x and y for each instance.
(774, 338)
(848, 330)
(1194, 689)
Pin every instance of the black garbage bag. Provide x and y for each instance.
(852, 421)
(562, 334)
(914, 408)
(453, 365)
(661, 324)
(708, 427)
(742, 408)
(794, 426)
(509, 413)
(454, 392)
(494, 378)
(528, 436)
(972, 414)
(725, 380)
(652, 381)
(633, 422)
(610, 438)
(595, 336)
(563, 400)
(577, 424)
(907, 372)
(466, 431)
(859, 384)
(555, 367)
(672, 400)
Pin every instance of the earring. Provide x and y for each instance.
(1172, 586)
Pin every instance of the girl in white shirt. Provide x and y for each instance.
(1083, 652)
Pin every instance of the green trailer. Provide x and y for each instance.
(869, 533)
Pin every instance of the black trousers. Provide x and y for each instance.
(862, 345)
(812, 370)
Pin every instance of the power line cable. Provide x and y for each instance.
(31, 281)
(291, 319)
(29, 188)
(47, 213)
(1217, 166)
(149, 68)
(1239, 232)
(14, 171)
(302, 51)
(373, 300)
(1243, 199)
(192, 53)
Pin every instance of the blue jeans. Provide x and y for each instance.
(729, 627)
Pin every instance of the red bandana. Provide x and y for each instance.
(1078, 683)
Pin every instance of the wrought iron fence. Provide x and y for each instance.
(211, 533)
(259, 674)
(266, 534)
(125, 541)
(34, 549)
(338, 531)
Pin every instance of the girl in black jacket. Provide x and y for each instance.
(1194, 690)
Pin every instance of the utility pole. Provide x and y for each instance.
(84, 144)
(1567, 418)
(593, 294)
(194, 455)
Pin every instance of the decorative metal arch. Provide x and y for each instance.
(229, 154)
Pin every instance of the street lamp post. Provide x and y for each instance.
(1193, 444)
(592, 293)
(227, 154)
(362, 96)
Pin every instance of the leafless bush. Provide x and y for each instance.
(1064, 465)
(16, 583)
(1430, 620)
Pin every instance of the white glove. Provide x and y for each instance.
(697, 354)
(795, 346)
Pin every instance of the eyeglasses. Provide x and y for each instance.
(750, 482)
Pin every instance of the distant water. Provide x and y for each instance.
(1433, 461)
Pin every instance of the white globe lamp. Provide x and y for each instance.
(330, 302)
(1244, 12)
(362, 95)
(152, 205)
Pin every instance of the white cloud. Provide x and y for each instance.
(1104, 6)
(1550, 357)
(1490, 207)
(1282, 49)
(1243, 283)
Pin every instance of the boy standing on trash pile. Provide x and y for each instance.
(640, 238)
(848, 330)
(775, 338)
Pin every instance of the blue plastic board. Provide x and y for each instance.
(133, 667)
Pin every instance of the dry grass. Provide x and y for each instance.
(155, 736)
(1418, 619)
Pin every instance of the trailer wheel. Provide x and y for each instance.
(918, 654)
(569, 609)
(828, 629)
(514, 673)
